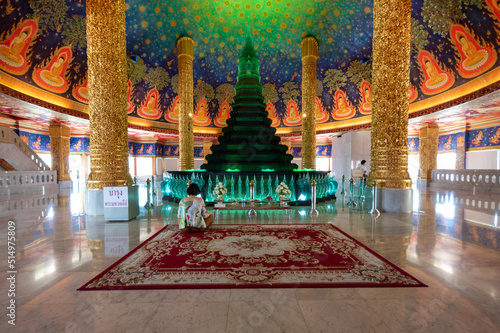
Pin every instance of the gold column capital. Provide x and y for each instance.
(185, 47)
(429, 130)
(59, 130)
(309, 46)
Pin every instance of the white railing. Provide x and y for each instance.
(484, 180)
(7, 135)
(10, 179)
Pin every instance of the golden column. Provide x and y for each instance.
(107, 82)
(461, 148)
(288, 143)
(309, 56)
(207, 143)
(429, 137)
(59, 150)
(186, 139)
(391, 83)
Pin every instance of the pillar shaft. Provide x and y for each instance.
(288, 143)
(186, 140)
(309, 57)
(107, 82)
(461, 148)
(207, 143)
(429, 137)
(59, 150)
(84, 166)
(391, 83)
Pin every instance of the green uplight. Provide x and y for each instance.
(195, 170)
(267, 170)
(232, 170)
(302, 170)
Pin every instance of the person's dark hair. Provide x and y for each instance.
(193, 189)
(363, 161)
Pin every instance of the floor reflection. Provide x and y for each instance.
(450, 242)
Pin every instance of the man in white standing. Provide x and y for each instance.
(362, 166)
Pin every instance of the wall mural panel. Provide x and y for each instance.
(483, 138)
(321, 151)
(79, 145)
(413, 145)
(43, 44)
(37, 142)
(447, 142)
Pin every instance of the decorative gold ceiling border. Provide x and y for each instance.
(24, 94)
(476, 88)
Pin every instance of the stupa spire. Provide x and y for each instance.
(248, 63)
(249, 143)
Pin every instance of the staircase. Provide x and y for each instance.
(16, 154)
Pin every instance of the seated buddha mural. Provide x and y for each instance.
(436, 80)
(475, 59)
(342, 109)
(200, 117)
(366, 98)
(321, 115)
(220, 121)
(292, 117)
(80, 92)
(150, 109)
(272, 115)
(172, 115)
(13, 50)
(52, 76)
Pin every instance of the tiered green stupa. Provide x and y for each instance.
(249, 143)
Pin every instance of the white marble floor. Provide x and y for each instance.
(450, 243)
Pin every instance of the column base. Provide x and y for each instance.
(66, 184)
(94, 202)
(423, 184)
(394, 200)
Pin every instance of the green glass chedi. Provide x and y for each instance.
(249, 143)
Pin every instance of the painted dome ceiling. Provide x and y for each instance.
(455, 46)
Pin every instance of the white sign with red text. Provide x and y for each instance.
(115, 196)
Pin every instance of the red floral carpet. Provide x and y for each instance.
(251, 256)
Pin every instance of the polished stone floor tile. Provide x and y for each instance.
(341, 316)
(272, 315)
(450, 242)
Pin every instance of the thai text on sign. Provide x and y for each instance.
(115, 196)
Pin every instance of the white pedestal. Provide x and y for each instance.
(126, 212)
(94, 205)
(392, 200)
(66, 184)
(94, 202)
(422, 185)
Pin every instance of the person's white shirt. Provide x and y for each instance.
(363, 167)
